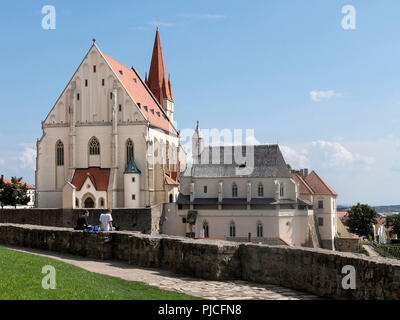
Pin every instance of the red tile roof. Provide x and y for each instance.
(140, 93)
(29, 186)
(341, 214)
(304, 187)
(99, 177)
(158, 82)
(318, 185)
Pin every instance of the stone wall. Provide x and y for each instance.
(317, 271)
(142, 220)
(347, 244)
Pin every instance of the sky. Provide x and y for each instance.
(287, 69)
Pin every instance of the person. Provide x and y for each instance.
(82, 223)
(106, 221)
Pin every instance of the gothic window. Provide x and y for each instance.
(232, 230)
(281, 190)
(260, 190)
(94, 147)
(60, 153)
(234, 190)
(206, 229)
(129, 151)
(260, 230)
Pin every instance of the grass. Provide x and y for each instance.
(21, 279)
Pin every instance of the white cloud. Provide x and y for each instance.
(28, 157)
(207, 16)
(334, 154)
(158, 23)
(296, 158)
(319, 95)
(319, 154)
(213, 16)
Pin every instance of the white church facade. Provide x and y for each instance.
(109, 141)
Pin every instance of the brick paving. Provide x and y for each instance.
(167, 280)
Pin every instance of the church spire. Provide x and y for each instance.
(157, 81)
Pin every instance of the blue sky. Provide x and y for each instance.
(285, 68)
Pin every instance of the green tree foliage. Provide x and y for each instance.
(393, 222)
(14, 193)
(361, 219)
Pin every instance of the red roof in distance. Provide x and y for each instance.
(318, 185)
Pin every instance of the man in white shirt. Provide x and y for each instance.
(106, 221)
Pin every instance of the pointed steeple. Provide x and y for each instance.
(157, 81)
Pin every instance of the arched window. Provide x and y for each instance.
(60, 153)
(129, 151)
(171, 198)
(76, 202)
(281, 190)
(94, 147)
(260, 230)
(234, 190)
(260, 190)
(232, 230)
(206, 229)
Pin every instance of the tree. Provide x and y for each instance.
(14, 193)
(393, 222)
(361, 219)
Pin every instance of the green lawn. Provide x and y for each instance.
(21, 279)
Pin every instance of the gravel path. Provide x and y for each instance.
(213, 290)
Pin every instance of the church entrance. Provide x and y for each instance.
(89, 203)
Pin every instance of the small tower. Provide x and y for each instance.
(197, 144)
(132, 185)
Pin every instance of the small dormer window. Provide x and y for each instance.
(94, 69)
(139, 105)
(158, 113)
(134, 80)
(145, 108)
(121, 73)
(152, 111)
(164, 116)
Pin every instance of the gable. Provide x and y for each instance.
(93, 95)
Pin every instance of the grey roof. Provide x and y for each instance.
(265, 161)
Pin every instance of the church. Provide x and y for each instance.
(110, 141)
(255, 198)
